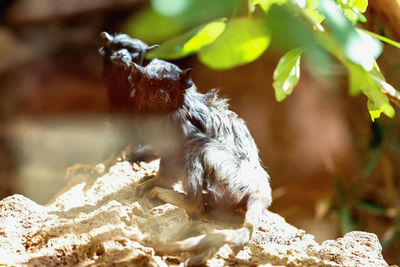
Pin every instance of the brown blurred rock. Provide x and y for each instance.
(99, 222)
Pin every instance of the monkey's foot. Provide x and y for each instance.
(145, 186)
(157, 192)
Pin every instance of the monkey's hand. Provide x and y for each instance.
(122, 49)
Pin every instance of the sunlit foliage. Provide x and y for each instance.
(226, 34)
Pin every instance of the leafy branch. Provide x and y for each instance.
(236, 32)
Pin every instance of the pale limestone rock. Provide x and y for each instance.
(100, 222)
(354, 249)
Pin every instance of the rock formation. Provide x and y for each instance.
(99, 221)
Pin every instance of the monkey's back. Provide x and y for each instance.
(210, 115)
(219, 141)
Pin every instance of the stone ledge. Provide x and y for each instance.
(98, 221)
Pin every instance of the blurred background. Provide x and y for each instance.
(332, 169)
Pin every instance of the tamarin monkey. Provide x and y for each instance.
(199, 138)
(118, 53)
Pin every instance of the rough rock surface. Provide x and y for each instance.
(98, 221)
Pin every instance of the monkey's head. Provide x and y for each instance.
(159, 87)
(121, 49)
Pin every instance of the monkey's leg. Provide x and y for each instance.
(259, 198)
(168, 174)
(191, 205)
(230, 177)
(141, 188)
(206, 245)
(257, 204)
(239, 178)
(203, 155)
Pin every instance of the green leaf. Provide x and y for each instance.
(355, 48)
(383, 85)
(376, 156)
(382, 38)
(371, 207)
(243, 41)
(353, 9)
(356, 82)
(265, 4)
(312, 4)
(315, 16)
(376, 110)
(339, 189)
(151, 27)
(308, 11)
(346, 220)
(288, 29)
(350, 14)
(375, 47)
(370, 85)
(361, 5)
(189, 42)
(156, 25)
(287, 74)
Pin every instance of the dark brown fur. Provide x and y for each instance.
(119, 52)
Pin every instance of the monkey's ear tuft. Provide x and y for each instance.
(107, 38)
(185, 78)
(152, 47)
